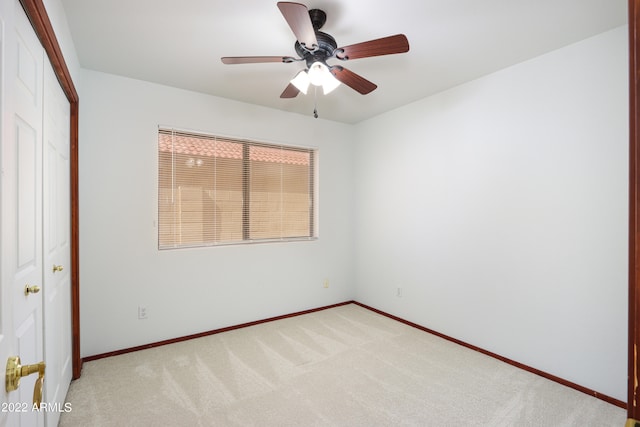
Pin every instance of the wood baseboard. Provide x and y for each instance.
(543, 374)
(546, 375)
(212, 332)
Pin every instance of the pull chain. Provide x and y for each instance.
(315, 101)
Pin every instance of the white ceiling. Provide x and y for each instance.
(179, 43)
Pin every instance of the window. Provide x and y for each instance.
(214, 190)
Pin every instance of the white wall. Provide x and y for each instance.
(500, 208)
(193, 290)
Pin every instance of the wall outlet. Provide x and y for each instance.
(325, 283)
(398, 292)
(142, 312)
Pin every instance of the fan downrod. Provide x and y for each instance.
(318, 18)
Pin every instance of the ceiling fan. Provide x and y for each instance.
(316, 48)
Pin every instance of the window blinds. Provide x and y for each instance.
(214, 190)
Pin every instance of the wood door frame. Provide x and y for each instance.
(633, 410)
(37, 14)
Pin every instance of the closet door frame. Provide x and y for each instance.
(37, 14)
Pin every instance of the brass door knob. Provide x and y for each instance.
(57, 268)
(15, 371)
(33, 289)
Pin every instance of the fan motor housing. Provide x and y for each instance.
(326, 46)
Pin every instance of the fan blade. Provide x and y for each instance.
(383, 46)
(254, 59)
(290, 92)
(353, 80)
(297, 16)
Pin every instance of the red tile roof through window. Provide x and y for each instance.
(193, 146)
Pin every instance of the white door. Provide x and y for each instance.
(57, 246)
(21, 211)
(21, 207)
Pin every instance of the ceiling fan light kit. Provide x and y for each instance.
(316, 48)
(318, 75)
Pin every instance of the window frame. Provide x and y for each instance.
(313, 153)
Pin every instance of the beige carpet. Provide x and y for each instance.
(344, 366)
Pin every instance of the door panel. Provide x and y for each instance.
(21, 221)
(28, 68)
(27, 319)
(26, 73)
(57, 237)
(26, 145)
